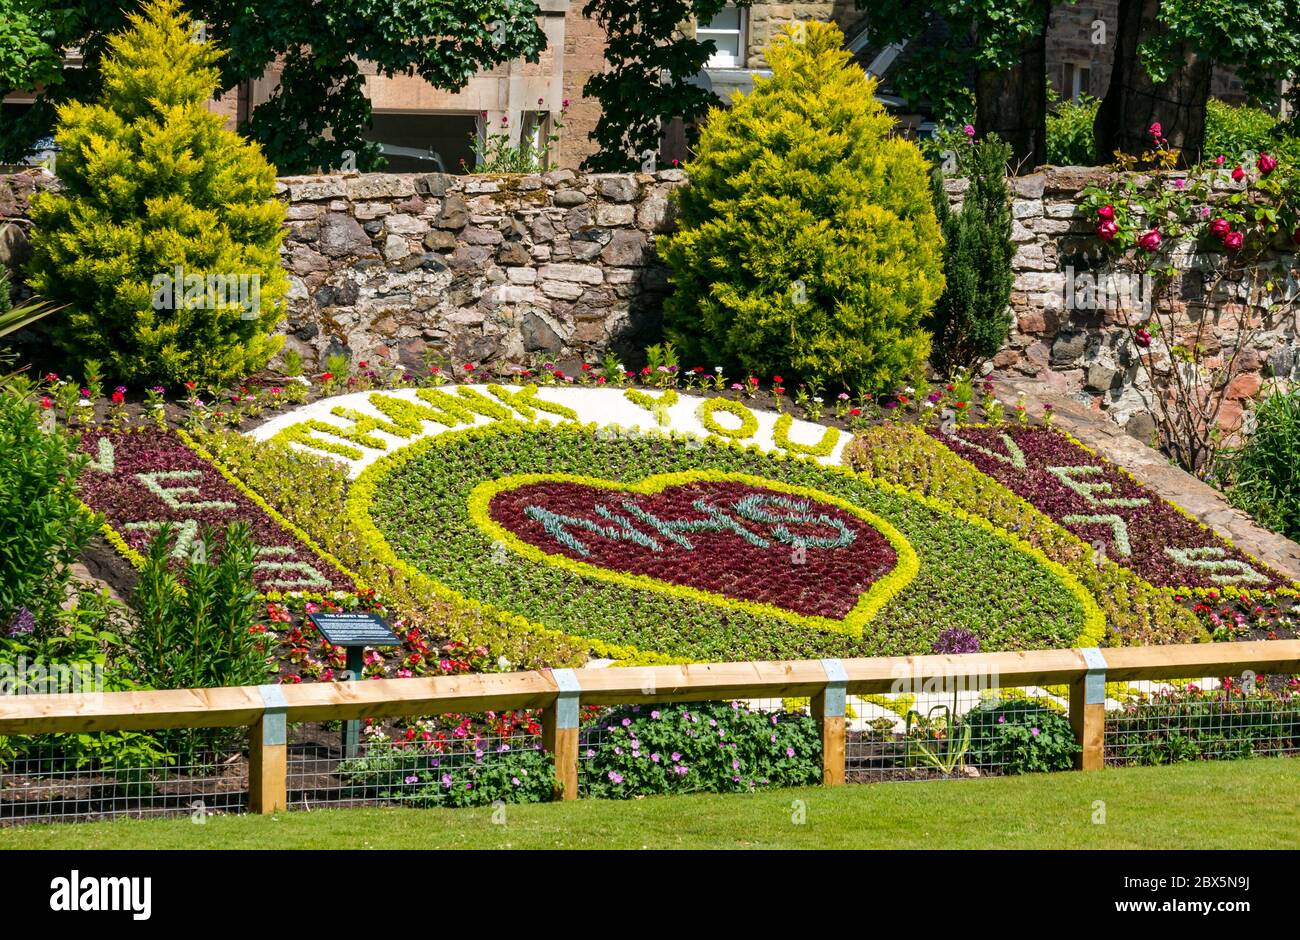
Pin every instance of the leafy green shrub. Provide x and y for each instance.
(718, 747)
(1232, 130)
(1070, 140)
(1017, 736)
(1264, 475)
(806, 241)
(972, 319)
(153, 186)
(193, 628)
(43, 528)
(416, 775)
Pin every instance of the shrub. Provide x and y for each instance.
(1070, 140)
(972, 319)
(193, 629)
(717, 747)
(1232, 131)
(1190, 723)
(154, 185)
(806, 241)
(1018, 736)
(43, 528)
(1264, 475)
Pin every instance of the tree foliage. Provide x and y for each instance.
(319, 112)
(807, 241)
(152, 182)
(650, 62)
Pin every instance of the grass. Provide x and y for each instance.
(1248, 804)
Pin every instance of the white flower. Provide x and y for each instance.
(817, 398)
(928, 404)
(503, 663)
(718, 369)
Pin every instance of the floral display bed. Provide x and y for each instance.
(527, 525)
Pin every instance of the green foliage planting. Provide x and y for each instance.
(972, 319)
(968, 576)
(165, 239)
(1191, 723)
(43, 528)
(806, 241)
(1264, 475)
(692, 747)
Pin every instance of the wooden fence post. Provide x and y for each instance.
(827, 709)
(268, 767)
(560, 732)
(1088, 711)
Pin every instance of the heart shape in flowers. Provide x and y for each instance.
(725, 538)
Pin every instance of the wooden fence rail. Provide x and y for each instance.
(267, 710)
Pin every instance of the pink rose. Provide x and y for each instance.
(1220, 160)
(1232, 241)
(1150, 240)
(1266, 164)
(969, 130)
(1156, 130)
(1107, 230)
(1220, 227)
(1106, 212)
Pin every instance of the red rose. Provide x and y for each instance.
(1232, 241)
(469, 367)
(1220, 227)
(1156, 130)
(1107, 230)
(1150, 240)
(1295, 236)
(1266, 164)
(1238, 174)
(325, 377)
(1106, 212)
(1142, 337)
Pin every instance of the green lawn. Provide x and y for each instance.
(1249, 804)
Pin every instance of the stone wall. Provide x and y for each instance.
(1070, 310)
(475, 269)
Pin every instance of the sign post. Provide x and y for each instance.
(354, 632)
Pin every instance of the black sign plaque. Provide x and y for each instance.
(354, 629)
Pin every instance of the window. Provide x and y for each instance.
(727, 30)
(1076, 80)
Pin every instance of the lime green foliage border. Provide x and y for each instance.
(748, 422)
(656, 406)
(823, 448)
(363, 489)
(867, 606)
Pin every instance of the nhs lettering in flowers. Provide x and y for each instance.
(1098, 502)
(140, 479)
(649, 524)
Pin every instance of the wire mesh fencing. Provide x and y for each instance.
(447, 760)
(136, 774)
(957, 729)
(1169, 721)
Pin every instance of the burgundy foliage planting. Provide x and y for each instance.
(799, 554)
